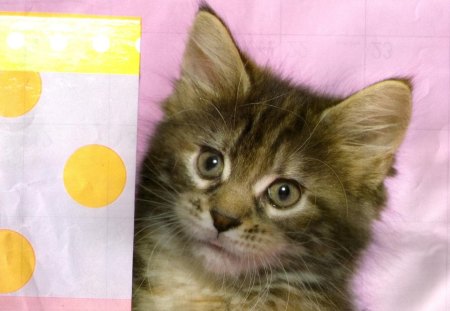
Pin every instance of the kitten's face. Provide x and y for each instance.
(246, 189)
(248, 172)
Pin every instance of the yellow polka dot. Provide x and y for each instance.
(19, 92)
(94, 176)
(17, 261)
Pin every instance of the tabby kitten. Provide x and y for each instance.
(258, 194)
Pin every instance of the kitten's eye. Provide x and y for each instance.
(210, 164)
(284, 193)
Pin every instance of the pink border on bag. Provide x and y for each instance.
(14, 303)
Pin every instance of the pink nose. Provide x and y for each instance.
(223, 222)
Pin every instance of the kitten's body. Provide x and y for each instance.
(225, 243)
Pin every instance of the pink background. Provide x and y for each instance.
(338, 47)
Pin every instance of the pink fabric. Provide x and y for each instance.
(66, 304)
(337, 47)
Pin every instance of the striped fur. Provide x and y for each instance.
(301, 258)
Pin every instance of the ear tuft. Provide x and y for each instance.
(204, 6)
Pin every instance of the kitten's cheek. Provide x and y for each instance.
(195, 223)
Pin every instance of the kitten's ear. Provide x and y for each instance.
(370, 125)
(212, 61)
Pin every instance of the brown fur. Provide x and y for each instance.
(338, 150)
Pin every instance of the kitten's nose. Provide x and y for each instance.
(223, 222)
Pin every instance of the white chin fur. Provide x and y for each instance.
(220, 262)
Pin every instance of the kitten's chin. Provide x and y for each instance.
(218, 260)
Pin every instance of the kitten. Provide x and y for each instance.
(258, 194)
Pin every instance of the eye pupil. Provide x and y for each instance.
(284, 192)
(211, 162)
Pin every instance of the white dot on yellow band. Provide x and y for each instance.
(100, 43)
(16, 40)
(58, 42)
(138, 45)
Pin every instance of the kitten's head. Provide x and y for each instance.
(249, 170)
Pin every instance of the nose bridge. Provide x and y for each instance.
(234, 199)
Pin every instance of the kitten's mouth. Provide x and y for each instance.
(215, 245)
(218, 247)
(217, 257)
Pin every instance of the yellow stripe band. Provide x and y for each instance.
(69, 43)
